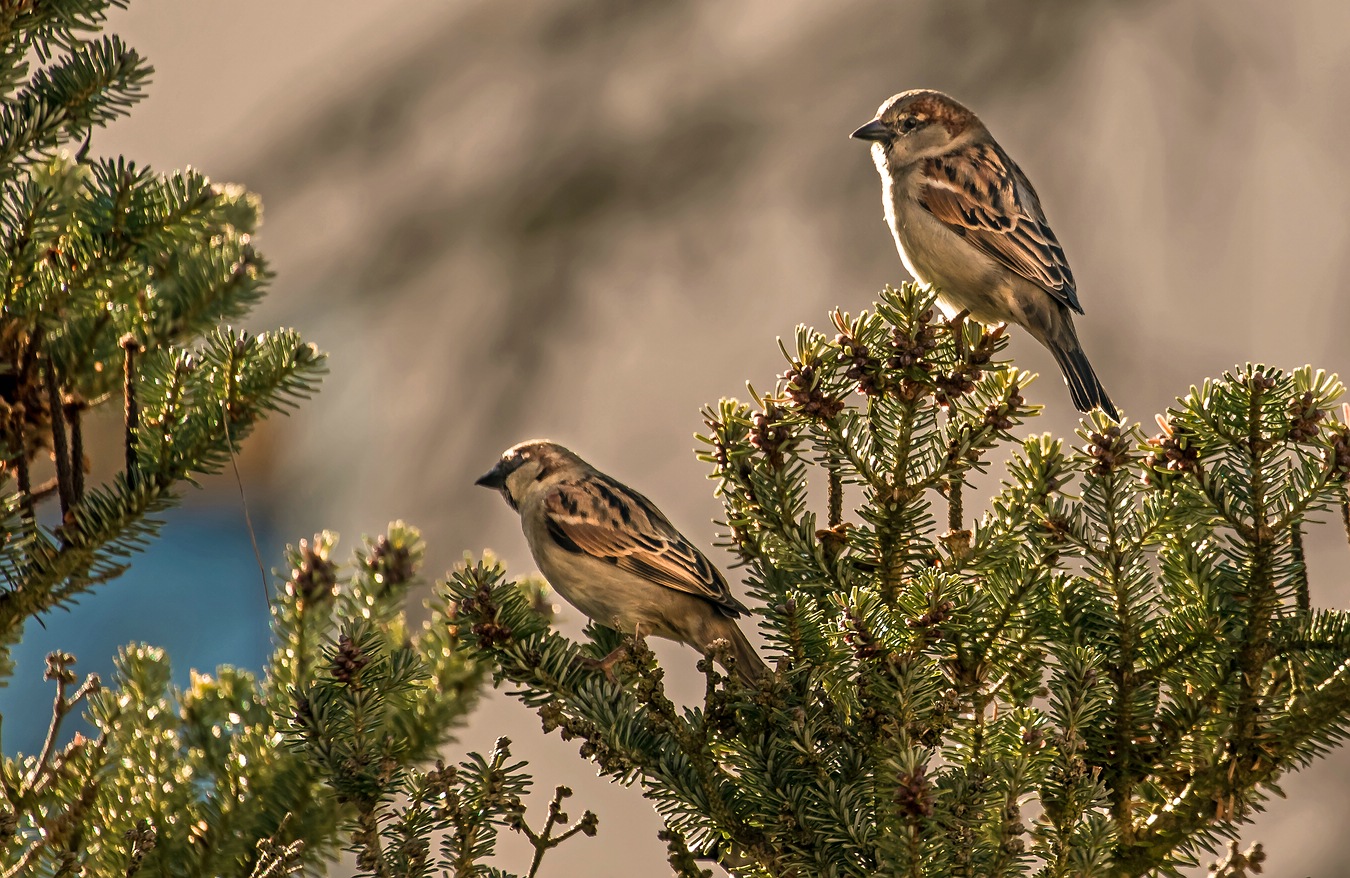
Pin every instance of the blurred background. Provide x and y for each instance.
(584, 219)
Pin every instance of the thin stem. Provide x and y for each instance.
(1345, 510)
(74, 412)
(60, 449)
(1123, 671)
(836, 493)
(243, 501)
(1013, 604)
(59, 709)
(955, 510)
(1254, 653)
(542, 841)
(901, 494)
(48, 775)
(131, 408)
(864, 468)
(1302, 597)
(21, 474)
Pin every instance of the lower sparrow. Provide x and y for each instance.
(612, 554)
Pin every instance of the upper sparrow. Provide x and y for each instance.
(967, 221)
(612, 554)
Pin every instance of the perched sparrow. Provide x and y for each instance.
(613, 555)
(967, 222)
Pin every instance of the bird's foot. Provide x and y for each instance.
(607, 663)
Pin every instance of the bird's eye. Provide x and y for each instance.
(908, 124)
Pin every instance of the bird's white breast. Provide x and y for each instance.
(965, 277)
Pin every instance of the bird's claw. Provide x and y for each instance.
(606, 664)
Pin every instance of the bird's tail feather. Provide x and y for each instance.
(749, 666)
(1086, 390)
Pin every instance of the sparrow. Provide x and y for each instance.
(615, 557)
(968, 223)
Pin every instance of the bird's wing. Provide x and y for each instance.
(980, 193)
(606, 519)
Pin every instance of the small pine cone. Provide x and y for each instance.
(998, 416)
(551, 716)
(958, 383)
(392, 565)
(997, 419)
(1173, 452)
(984, 350)
(1111, 450)
(349, 661)
(803, 388)
(490, 634)
(908, 350)
(1260, 382)
(914, 794)
(1340, 455)
(833, 540)
(910, 390)
(315, 580)
(1304, 415)
(863, 367)
(723, 459)
(303, 715)
(860, 637)
(936, 616)
(770, 435)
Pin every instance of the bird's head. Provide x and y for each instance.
(524, 465)
(915, 125)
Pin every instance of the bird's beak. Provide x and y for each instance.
(874, 131)
(494, 478)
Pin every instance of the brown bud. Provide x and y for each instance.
(315, 579)
(349, 661)
(1110, 449)
(914, 794)
(391, 565)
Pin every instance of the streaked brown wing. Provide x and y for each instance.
(982, 195)
(605, 519)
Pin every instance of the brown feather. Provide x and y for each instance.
(605, 519)
(981, 194)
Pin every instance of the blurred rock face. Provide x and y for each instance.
(585, 219)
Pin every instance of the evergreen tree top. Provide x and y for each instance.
(1102, 674)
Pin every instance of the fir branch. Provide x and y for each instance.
(90, 86)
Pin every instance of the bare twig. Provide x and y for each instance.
(58, 669)
(60, 449)
(1345, 510)
(544, 840)
(1302, 597)
(74, 412)
(130, 407)
(20, 462)
(243, 501)
(955, 510)
(836, 497)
